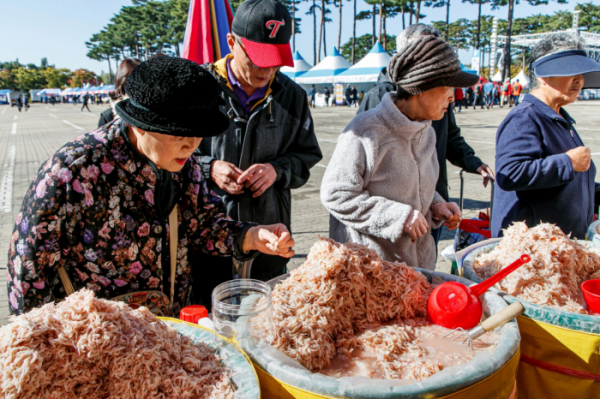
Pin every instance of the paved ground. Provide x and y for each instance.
(28, 139)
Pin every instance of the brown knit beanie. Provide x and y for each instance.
(426, 63)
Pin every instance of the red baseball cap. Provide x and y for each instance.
(265, 29)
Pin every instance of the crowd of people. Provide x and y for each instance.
(351, 98)
(193, 165)
(486, 94)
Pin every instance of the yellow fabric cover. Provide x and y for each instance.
(499, 385)
(563, 347)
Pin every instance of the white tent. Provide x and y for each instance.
(299, 69)
(497, 77)
(49, 92)
(326, 70)
(523, 79)
(368, 68)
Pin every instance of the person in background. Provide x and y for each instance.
(458, 98)
(270, 145)
(470, 95)
(487, 94)
(327, 95)
(26, 102)
(348, 95)
(354, 97)
(496, 92)
(118, 94)
(19, 103)
(544, 171)
(86, 98)
(361, 96)
(516, 91)
(506, 92)
(312, 94)
(478, 95)
(332, 102)
(450, 144)
(52, 100)
(379, 186)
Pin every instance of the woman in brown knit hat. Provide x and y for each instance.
(379, 186)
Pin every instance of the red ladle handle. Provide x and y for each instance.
(486, 284)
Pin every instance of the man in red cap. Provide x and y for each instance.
(270, 145)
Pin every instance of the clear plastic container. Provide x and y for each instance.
(243, 310)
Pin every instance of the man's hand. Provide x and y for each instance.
(581, 158)
(225, 176)
(448, 211)
(258, 178)
(274, 239)
(487, 174)
(416, 225)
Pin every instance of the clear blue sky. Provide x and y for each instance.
(58, 29)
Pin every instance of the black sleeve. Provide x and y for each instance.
(293, 167)
(458, 152)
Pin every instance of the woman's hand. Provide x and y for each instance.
(416, 225)
(448, 211)
(487, 174)
(581, 158)
(274, 239)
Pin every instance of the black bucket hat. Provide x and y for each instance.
(173, 96)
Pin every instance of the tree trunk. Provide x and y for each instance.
(380, 21)
(110, 74)
(479, 25)
(418, 11)
(373, 15)
(314, 8)
(507, 60)
(340, 27)
(384, 33)
(324, 40)
(447, 18)
(354, 33)
(293, 26)
(177, 50)
(410, 13)
(321, 29)
(403, 18)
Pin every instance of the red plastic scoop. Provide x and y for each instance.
(454, 305)
(591, 294)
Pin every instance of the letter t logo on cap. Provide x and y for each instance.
(274, 27)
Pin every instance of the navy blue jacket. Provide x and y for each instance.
(535, 180)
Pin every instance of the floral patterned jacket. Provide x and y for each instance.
(91, 210)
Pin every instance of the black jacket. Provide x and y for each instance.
(450, 145)
(280, 131)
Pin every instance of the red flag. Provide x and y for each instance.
(198, 42)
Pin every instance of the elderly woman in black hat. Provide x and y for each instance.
(544, 171)
(120, 209)
(379, 186)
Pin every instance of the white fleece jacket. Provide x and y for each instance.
(384, 166)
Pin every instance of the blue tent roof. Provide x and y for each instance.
(325, 71)
(5, 92)
(299, 69)
(368, 68)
